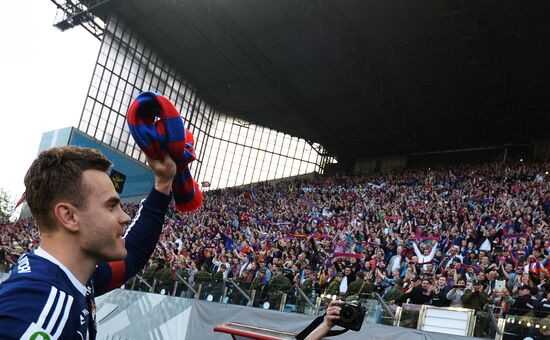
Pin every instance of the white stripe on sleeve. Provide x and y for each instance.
(66, 313)
(56, 312)
(47, 307)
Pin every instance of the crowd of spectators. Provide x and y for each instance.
(17, 238)
(465, 236)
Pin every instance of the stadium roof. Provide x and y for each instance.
(363, 78)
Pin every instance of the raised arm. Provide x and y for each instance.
(432, 253)
(416, 250)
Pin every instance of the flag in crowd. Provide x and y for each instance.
(306, 202)
(21, 200)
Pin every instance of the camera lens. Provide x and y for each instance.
(348, 314)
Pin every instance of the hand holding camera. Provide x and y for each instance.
(339, 313)
(351, 315)
(333, 312)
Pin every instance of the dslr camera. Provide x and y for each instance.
(351, 316)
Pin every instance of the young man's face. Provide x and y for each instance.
(101, 219)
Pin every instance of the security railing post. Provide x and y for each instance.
(175, 289)
(133, 283)
(283, 302)
(223, 295)
(317, 306)
(198, 293)
(493, 319)
(252, 297)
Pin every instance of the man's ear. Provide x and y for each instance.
(66, 215)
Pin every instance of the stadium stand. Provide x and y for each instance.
(469, 236)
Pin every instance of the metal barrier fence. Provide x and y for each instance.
(313, 302)
(295, 300)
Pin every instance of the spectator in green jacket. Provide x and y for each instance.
(278, 286)
(475, 298)
(203, 279)
(358, 287)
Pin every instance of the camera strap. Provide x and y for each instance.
(337, 332)
(318, 320)
(360, 289)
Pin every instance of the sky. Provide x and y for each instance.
(44, 78)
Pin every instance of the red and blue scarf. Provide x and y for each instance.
(167, 134)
